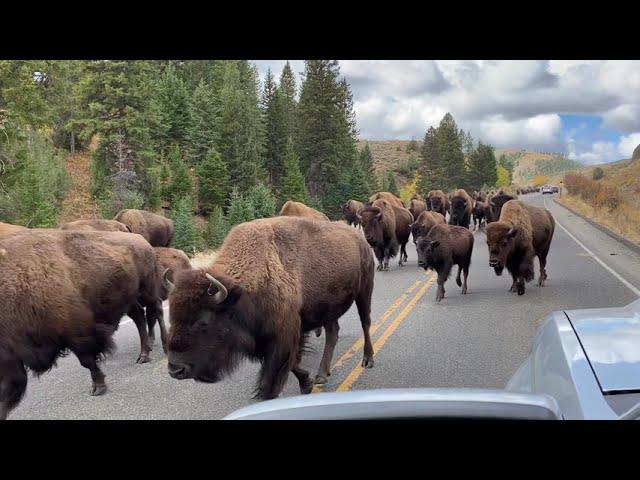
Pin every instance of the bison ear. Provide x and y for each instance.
(435, 243)
(512, 233)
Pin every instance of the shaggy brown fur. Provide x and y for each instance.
(7, 229)
(437, 201)
(351, 212)
(522, 232)
(156, 229)
(298, 209)
(97, 224)
(385, 228)
(68, 290)
(284, 277)
(389, 197)
(442, 248)
(416, 207)
(461, 207)
(497, 201)
(424, 223)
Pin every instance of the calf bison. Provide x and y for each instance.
(424, 223)
(522, 232)
(156, 229)
(416, 207)
(7, 229)
(96, 225)
(298, 209)
(442, 248)
(351, 212)
(274, 280)
(461, 207)
(389, 197)
(437, 201)
(68, 290)
(385, 228)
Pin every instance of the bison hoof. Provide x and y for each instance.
(458, 282)
(98, 389)
(521, 290)
(367, 362)
(379, 268)
(464, 291)
(143, 358)
(320, 380)
(306, 387)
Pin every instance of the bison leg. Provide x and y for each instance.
(137, 314)
(276, 364)
(443, 274)
(331, 338)
(458, 280)
(156, 313)
(13, 384)
(543, 270)
(363, 302)
(306, 385)
(89, 361)
(465, 271)
(520, 286)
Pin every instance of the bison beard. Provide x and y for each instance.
(269, 287)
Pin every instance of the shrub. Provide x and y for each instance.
(598, 173)
(410, 190)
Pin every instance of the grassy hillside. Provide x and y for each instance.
(531, 164)
(393, 155)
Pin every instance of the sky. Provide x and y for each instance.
(589, 110)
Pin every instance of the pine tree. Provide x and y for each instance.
(482, 167)
(450, 154)
(430, 168)
(186, 235)
(391, 183)
(359, 188)
(287, 104)
(180, 185)
(273, 130)
(213, 182)
(240, 210)
(217, 228)
(293, 185)
(262, 201)
(366, 164)
(202, 133)
(170, 106)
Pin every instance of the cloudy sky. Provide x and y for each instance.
(590, 110)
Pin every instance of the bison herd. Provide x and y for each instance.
(273, 282)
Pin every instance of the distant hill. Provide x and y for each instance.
(623, 174)
(393, 155)
(530, 164)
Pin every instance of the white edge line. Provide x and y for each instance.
(597, 259)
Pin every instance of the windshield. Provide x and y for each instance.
(221, 233)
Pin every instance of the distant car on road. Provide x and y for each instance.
(584, 365)
(547, 189)
(555, 188)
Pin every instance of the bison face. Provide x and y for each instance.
(417, 231)
(436, 203)
(500, 240)
(427, 251)
(208, 334)
(458, 210)
(372, 226)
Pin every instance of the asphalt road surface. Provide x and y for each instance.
(473, 340)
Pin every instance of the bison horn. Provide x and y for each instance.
(221, 294)
(512, 232)
(165, 279)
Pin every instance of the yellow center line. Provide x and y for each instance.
(357, 371)
(359, 344)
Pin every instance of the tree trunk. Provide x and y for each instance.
(73, 142)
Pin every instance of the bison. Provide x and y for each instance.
(522, 232)
(298, 209)
(274, 280)
(442, 248)
(156, 229)
(389, 197)
(68, 290)
(497, 201)
(416, 207)
(385, 228)
(437, 201)
(351, 212)
(461, 207)
(424, 223)
(7, 229)
(479, 214)
(97, 225)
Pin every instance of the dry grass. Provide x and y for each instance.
(78, 202)
(389, 155)
(203, 259)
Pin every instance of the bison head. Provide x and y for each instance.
(208, 334)
(417, 230)
(500, 239)
(372, 226)
(435, 202)
(458, 210)
(427, 251)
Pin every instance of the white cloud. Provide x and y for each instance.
(628, 144)
(506, 103)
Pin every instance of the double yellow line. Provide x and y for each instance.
(359, 344)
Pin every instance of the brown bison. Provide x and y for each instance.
(442, 248)
(386, 228)
(437, 201)
(497, 201)
(274, 280)
(461, 207)
(389, 197)
(417, 206)
(522, 232)
(351, 212)
(424, 223)
(479, 214)
(7, 229)
(97, 224)
(68, 290)
(156, 229)
(298, 209)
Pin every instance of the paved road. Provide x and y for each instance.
(474, 340)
